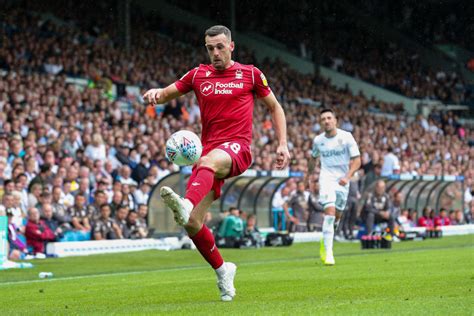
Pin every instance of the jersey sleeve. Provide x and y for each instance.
(185, 84)
(315, 149)
(260, 83)
(352, 146)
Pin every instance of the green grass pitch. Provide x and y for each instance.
(433, 277)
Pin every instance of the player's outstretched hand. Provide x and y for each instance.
(283, 157)
(152, 96)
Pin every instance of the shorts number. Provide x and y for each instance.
(235, 147)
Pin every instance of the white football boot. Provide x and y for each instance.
(225, 282)
(329, 260)
(181, 207)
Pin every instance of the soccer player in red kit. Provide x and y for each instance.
(225, 91)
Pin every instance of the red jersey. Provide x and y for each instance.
(226, 100)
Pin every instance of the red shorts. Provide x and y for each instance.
(241, 160)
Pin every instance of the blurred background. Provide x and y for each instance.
(75, 133)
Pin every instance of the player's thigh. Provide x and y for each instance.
(333, 197)
(218, 160)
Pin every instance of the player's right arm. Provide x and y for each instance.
(160, 96)
(174, 90)
(315, 154)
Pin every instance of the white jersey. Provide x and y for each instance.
(335, 154)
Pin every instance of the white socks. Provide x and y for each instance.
(328, 233)
(221, 270)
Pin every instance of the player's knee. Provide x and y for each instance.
(207, 162)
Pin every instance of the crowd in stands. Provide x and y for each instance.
(382, 209)
(77, 163)
(443, 23)
(362, 53)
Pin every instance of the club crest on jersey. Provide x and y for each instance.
(238, 74)
(207, 88)
(264, 80)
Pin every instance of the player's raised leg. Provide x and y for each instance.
(191, 210)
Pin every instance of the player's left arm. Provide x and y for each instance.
(279, 121)
(354, 163)
(264, 93)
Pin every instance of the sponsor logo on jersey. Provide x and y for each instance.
(333, 152)
(238, 74)
(207, 88)
(264, 80)
(220, 88)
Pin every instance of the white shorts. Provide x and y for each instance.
(333, 194)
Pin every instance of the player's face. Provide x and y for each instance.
(328, 121)
(220, 50)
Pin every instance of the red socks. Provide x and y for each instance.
(201, 185)
(204, 241)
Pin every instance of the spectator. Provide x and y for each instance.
(136, 231)
(100, 198)
(105, 227)
(232, 226)
(80, 217)
(59, 208)
(377, 209)
(43, 179)
(51, 221)
(143, 194)
(140, 172)
(459, 218)
(16, 240)
(425, 220)
(391, 165)
(298, 202)
(37, 232)
(96, 149)
(121, 215)
(142, 220)
(470, 214)
(442, 219)
(117, 201)
(68, 197)
(413, 218)
(34, 195)
(350, 213)
(8, 207)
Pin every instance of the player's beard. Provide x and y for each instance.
(218, 64)
(329, 130)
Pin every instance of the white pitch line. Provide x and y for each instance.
(101, 275)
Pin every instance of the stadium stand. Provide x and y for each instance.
(58, 110)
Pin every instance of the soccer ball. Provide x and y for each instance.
(183, 148)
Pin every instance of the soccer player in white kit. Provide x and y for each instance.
(340, 159)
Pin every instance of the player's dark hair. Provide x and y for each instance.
(326, 110)
(218, 29)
